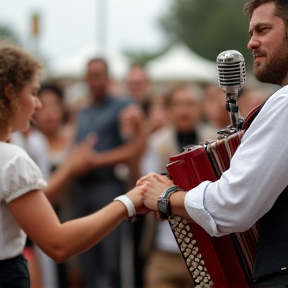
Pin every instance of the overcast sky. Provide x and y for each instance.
(68, 26)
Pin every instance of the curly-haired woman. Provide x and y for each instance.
(24, 208)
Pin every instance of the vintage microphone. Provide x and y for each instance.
(231, 77)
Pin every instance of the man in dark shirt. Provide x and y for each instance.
(102, 184)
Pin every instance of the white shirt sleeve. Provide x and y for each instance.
(258, 174)
(19, 176)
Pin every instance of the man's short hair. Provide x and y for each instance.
(195, 88)
(281, 9)
(99, 60)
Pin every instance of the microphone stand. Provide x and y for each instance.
(233, 109)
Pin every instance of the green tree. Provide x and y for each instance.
(208, 27)
(7, 33)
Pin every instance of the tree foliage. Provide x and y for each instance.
(7, 33)
(208, 27)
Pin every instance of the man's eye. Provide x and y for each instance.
(263, 29)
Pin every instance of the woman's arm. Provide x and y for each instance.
(37, 218)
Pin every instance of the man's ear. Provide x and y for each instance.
(9, 92)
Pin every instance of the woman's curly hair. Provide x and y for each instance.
(17, 68)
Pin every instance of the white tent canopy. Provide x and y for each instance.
(179, 63)
(74, 65)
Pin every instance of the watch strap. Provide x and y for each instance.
(163, 202)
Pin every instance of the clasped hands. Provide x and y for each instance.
(147, 192)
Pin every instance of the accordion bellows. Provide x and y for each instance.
(218, 262)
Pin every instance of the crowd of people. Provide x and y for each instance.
(91, 152)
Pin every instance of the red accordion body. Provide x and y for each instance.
(228, 259)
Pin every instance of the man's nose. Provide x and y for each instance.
(253, 43)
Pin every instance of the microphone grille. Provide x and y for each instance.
(231, 71)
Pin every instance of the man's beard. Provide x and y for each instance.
(276, 69)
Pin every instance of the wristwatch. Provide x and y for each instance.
(164, 203)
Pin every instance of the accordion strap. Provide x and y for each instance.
(250, 117)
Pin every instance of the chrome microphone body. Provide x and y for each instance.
(231, 77)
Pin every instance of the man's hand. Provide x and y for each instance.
(153, 186)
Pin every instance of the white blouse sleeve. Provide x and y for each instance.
(19, 176)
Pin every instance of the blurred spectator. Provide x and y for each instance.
(215, 112)
(251, 98)
(35, 143)
(214, 109)
(154, 110)
(138, 83)
(165, 267)
(138, 89)
(76, 97)
(51, 120)
(116, 88)
(155, 118)
(100, 264)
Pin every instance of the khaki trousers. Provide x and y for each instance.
(167, 270)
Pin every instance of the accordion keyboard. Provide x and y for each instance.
(190, 252)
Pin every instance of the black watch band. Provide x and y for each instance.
(164, 203)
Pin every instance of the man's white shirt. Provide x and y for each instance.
(258, 174)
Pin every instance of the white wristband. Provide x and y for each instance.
(128, 204)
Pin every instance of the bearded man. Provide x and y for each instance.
(255, 187)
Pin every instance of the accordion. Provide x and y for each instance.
(218, 262)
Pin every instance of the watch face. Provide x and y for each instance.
(162, 206)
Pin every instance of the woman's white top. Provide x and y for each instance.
(18, 175)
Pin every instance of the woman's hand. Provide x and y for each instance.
(136, 196)
(153, 186)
